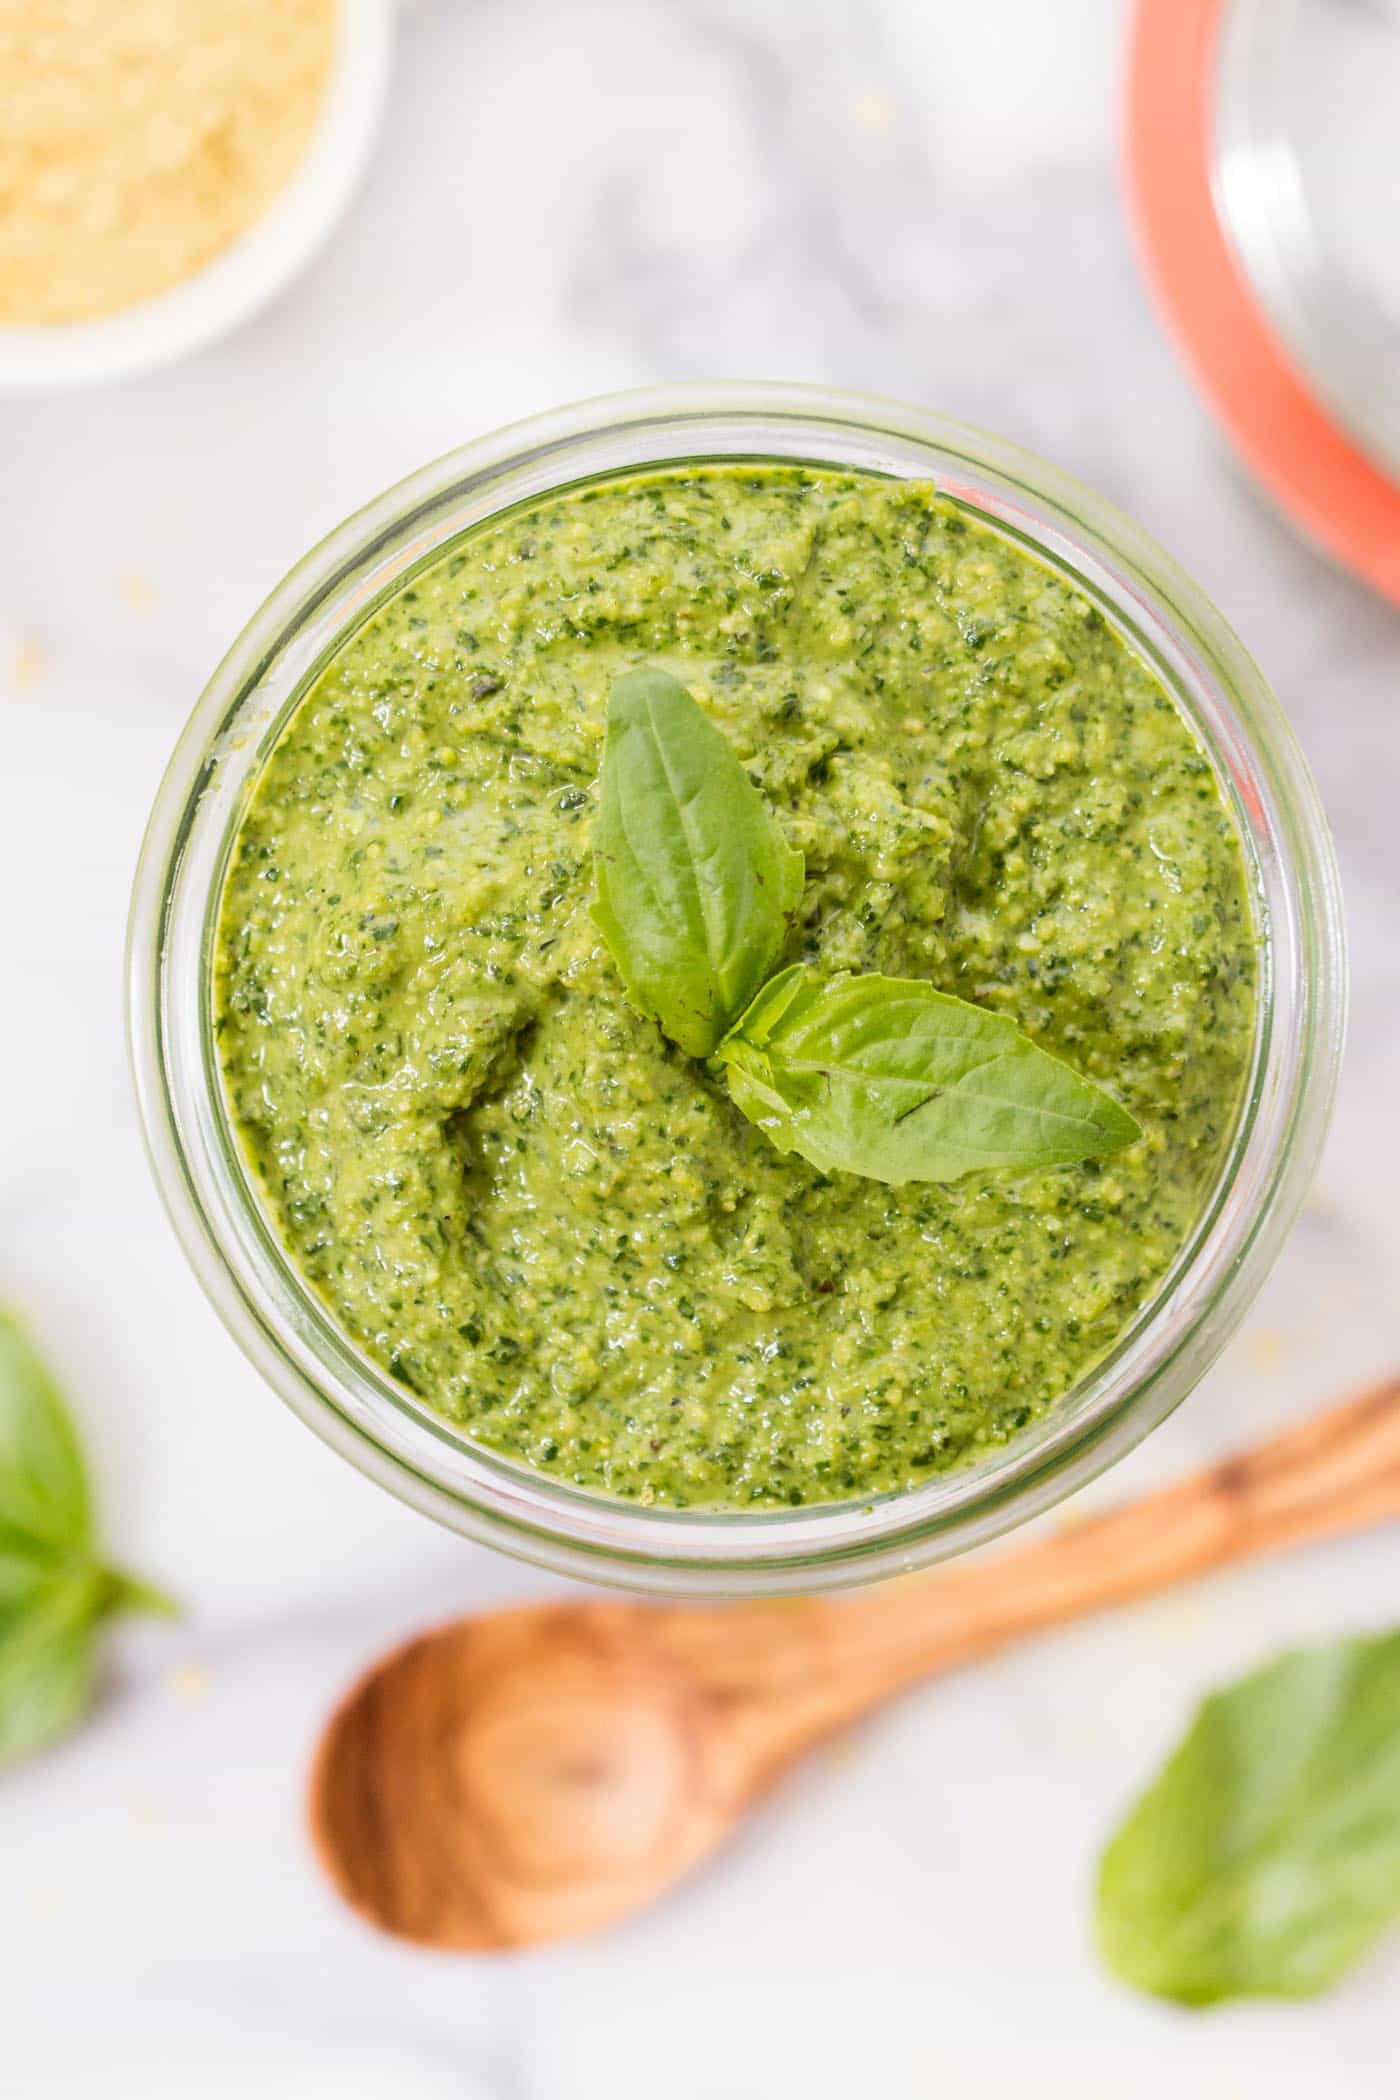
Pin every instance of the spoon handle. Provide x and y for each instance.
(1338, 1472)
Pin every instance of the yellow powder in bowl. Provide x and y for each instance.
(138, 138)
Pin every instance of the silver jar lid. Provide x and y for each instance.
(1306, 175)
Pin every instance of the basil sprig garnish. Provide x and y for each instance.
(880, 1076)
(54, 1588)
(886, 1077)
(696, 883)
(1265, 1858)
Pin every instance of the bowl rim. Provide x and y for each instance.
(51, 357)
(352, 1403)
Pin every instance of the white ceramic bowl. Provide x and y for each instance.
(46, 358)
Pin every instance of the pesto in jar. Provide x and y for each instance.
(542, 1217)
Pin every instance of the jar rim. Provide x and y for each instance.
(353, 1403)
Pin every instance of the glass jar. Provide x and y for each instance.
(381, 1427)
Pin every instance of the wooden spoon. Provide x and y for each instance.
(537, 1773)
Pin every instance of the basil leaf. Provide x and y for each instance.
(53, 1590)
(1265, 1859)
(43, 1486)
(886, 1077)
(46, 1663)
(696, 883)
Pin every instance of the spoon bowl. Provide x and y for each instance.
(513, 1778)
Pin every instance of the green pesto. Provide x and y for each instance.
(546, 1220)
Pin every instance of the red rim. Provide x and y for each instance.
(1311, 466)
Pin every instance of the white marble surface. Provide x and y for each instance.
(911, 197)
